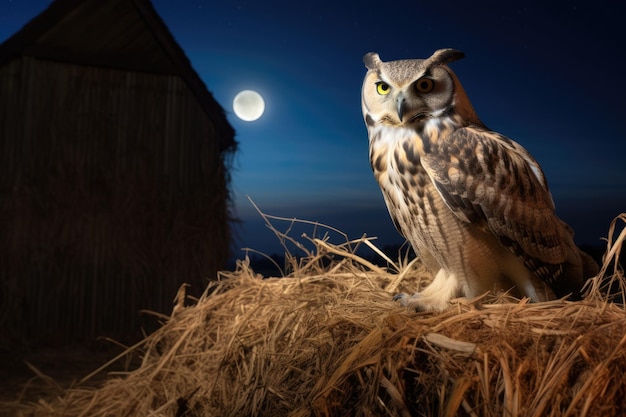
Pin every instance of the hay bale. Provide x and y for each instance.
(328, 340)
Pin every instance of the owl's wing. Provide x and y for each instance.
(493, 182)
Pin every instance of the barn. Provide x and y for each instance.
(114, 173)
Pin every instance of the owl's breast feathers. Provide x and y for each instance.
(493, 183)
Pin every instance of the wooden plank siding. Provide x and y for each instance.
(113, 192)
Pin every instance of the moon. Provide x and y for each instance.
(248, 105)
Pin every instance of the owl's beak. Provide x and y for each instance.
(401, 106)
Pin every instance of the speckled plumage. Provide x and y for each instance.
(474, 204)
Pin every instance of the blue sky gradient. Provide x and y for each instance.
(548, 76)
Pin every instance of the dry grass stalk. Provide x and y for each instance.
(334, 343)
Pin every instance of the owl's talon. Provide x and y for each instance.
(399, 297)
(405, 299)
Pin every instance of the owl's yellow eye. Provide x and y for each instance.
(425, 85)
(382, 88)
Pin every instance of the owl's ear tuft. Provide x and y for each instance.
(372, 60)
(445, 56)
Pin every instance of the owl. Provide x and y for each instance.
(474, 204)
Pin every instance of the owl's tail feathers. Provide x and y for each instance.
(606, 282)
(609, 284)
(573, 276)
(590, 266)
(579, 266)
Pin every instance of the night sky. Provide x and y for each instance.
(550, 77)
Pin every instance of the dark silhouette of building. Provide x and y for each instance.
(114, 173)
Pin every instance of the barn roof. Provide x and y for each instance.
(120, 34)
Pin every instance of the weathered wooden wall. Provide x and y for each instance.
(113, 192)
